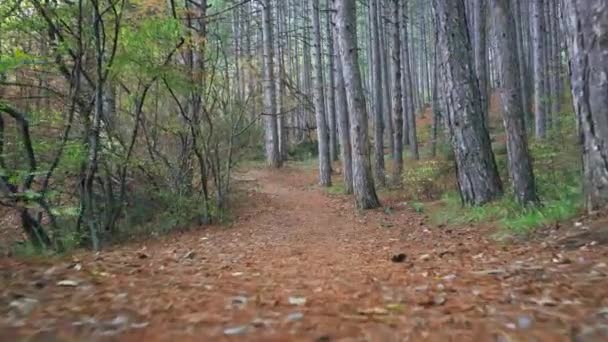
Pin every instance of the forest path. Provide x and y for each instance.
(299, 264)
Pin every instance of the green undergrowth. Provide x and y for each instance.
(337, 188)
(508, 214)
(303, 151)
(558, 179)
(311, 163)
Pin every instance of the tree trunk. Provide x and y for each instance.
(553, 63)
(280, 88)
(342, 110)
(386, 82)
(477, 174)
(363, 182)
(307, 67)
(481, 53)
(436, 103)
(331, 101)
(587, 25)
(378, 95)
(273, 157)
(540, 93)
(397, 109)
(425, 54)
(520, 164)
(521, 60)
(407, 85)
(404, 75)
(319, 98)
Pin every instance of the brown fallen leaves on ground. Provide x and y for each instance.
(300, 265)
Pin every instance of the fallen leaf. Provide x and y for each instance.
(449, 277)
(295, 316)
(203, 317)
(524, 322)
(238, 330)
(397, 307)
(296, 300)
(439, 299)
(140, 325)
(495, 271)
(24, 306)
(67, 283)
(260, 323)
(373, 311)
(238, 302)
(544, 301)
(603, 312)
(190, 255)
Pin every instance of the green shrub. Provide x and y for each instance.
(305, 150)
(418, 206)
(337, 188)
(427, 179)
(558, 181)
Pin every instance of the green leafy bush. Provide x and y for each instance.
(557, 176)
(305, 150)
(427, 179)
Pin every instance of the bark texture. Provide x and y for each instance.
(363, 182)
(319, 98)
(342, 111)
(397, 110)
(477, 174)
(378, 94)
(587, 25)
(271, 133)
(409, 119)
(481, 55)
(523, 73)
(331, 93)
(520, 164)
(540, 84)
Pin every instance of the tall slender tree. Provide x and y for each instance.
(587, 24)
(363, 182)
(479, 38)
(378, 94)
(409, 111)
(386, 81)
(342, 109)
(397, 110)
(319, 97)
(271, 133)
(279, 79)
(538, 52)
(331, 88)
(520, 163)
(521, 60)
(478, 178)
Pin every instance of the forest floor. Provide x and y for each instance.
(300, 264)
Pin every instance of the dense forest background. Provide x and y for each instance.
(123, 118)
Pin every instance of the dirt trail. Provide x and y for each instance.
(298, 264)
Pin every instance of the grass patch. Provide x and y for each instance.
(303, 151)
(507, 214)
(306, 164)
(337, 188)
(418, 206)
(558, 180)
(427, 179)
